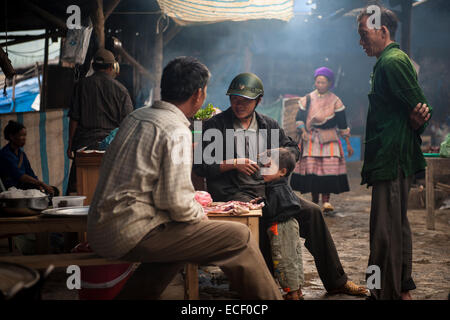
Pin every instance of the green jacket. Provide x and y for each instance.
(390, 140)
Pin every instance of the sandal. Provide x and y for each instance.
(352, 289)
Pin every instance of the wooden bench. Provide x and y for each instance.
(60, 260)
(91, 259)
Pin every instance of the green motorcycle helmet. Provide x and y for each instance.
(246, 85)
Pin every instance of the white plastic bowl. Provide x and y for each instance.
(68, 201)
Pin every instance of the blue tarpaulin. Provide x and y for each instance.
(26, 93)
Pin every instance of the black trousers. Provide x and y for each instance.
(390, 237)
(318, 241)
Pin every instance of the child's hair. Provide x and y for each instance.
(286, 160)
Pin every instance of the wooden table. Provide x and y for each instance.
(42, 225)
(251, 220)
(436, 168)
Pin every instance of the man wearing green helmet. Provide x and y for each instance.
(233, 174)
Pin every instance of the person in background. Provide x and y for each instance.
(321, 168)
(397, 116)
(144, 209)
(15, 168)
(100, 104)
(16, 171)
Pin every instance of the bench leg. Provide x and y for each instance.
(191, 282)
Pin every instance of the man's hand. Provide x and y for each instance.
(246, 166)
(419, 116)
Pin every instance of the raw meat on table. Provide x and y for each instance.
(232, 207)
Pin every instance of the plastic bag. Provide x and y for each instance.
(76, 45)
(445, 147)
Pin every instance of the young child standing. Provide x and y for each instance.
(281, 207)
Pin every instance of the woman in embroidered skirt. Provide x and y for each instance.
(320, 120)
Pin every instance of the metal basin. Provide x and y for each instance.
(24, 206)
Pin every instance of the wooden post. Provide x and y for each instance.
(429, 184)
(157, 64)
(44, 91)
(99, 24)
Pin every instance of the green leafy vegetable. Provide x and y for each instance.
(206, 113)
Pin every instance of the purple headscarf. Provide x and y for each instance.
(324, 71)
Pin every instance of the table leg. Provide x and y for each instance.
(429, 183)
(82, 237)
(191, 282)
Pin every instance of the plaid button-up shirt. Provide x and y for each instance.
(145, 180)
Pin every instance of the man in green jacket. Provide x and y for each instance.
(397, 115)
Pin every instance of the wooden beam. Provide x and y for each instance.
(171, 34)
(60, 260)
(45, 15)
(429, 182)
(110, 8)
(28, 38)
(126, 56)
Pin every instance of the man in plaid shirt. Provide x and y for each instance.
(144, 209)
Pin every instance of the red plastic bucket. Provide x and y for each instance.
(102, 282)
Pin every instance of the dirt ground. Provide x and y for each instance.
(350, 231)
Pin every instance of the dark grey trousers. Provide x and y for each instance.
(390, 237)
